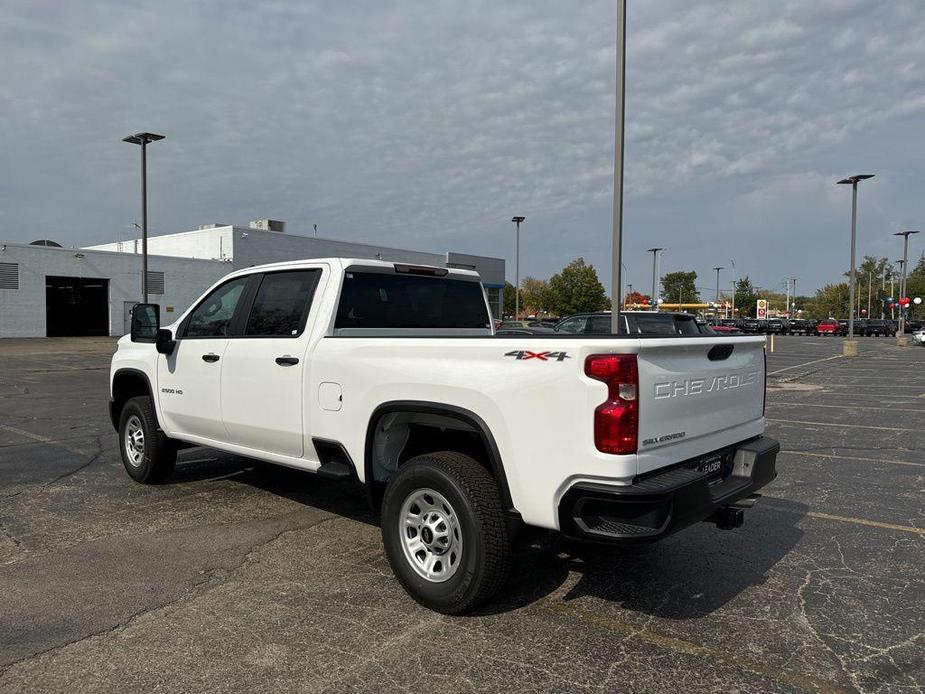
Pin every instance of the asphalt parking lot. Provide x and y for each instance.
(240, 576)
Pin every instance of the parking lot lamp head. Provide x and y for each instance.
(143, 139)
(853, 180)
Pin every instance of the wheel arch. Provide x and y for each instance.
(460, 414)
(128, 383)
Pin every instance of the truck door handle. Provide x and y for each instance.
(210, 357)
(287, 361)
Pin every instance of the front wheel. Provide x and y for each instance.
(147, 454)
(444, 532)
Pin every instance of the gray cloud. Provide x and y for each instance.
(429, 125)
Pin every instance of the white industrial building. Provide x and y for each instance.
(50, 291)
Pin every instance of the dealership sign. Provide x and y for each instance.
(762, 309)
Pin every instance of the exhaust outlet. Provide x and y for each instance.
(747, 502)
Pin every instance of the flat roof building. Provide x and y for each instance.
(51, 291)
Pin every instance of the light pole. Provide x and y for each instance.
(892, 289)
(517, 221)
(792, 301)
(143, 139)
(902, 283)
(853, 180)
(717, 287)
(655, 252)
(617, 241)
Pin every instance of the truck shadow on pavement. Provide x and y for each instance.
(686, 576)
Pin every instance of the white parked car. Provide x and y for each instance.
(919, 336)
(390, 375)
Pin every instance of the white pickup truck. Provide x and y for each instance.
(390, 375)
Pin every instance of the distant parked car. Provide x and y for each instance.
(521, 330)
(634, 323)
(842, 327)
(875, 327)
(827, 327)
(777, 326)
(800, 326)
(726, 330)
(752, 325)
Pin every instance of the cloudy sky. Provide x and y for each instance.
(429, 124)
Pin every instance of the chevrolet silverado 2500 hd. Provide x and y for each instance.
(390, 375)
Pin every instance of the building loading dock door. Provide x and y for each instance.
(76, 306)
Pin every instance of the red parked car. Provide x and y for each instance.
(726, 329)
(827, 327)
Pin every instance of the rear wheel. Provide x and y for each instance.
(147, 454)
(444, 532)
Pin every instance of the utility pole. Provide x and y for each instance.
(619, 103)
(717, 287)
(853, 181)
(517, 221)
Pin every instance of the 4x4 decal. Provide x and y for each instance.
(524, 354)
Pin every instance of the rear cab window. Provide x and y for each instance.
(282, 304)
(374, 300)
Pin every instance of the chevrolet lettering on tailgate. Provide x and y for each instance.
(697, 386)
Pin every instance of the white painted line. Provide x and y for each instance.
(797, 366)
(836, 456)
(792, 403)
(868, 522)
(841, 426)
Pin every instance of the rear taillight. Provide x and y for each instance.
(616, 421)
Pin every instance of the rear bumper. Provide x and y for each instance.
(660, 505)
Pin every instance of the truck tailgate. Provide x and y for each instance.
(697, 396)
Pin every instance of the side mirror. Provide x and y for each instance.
(164, 343)
(146, 320)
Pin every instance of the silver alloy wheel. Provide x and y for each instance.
(134, 441)
(431, 537)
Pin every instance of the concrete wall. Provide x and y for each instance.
(204, 244)
(259, 247)
(247, 247)
(491, 270)
(22, 311)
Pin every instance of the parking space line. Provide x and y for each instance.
(797, 366)
(791, 403)
(672, 643)
(43, 439)
(853, 457)
(868, 522)
(841, 426)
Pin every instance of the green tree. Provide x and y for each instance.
(534, 295)
(508, 299)
(576, 289)
(915, 287)
(829, 302)
(680, 287)
(745, 297)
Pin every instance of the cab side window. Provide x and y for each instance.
(282, 303)
(573, 325)
(598, 325)
(212, 317)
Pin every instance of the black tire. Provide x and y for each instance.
(474, 497)
(158, 453)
